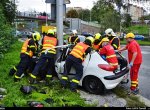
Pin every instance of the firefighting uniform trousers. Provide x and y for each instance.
(134, 71)
(22, 66)
(44, 58)
(44, 69)
(31, 65)
(28, 70)
(79, 72)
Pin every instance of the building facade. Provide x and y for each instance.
(135, 11)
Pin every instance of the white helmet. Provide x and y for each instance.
(74, 32)
(109, 32)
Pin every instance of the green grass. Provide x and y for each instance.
(140, 29)
(132, 100)
(61, 97)
(142, 43)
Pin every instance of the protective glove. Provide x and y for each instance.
(93, 51)
(103, 57)
(131, 64)
(116, 50)
(46, 51)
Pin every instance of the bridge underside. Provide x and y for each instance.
(33, 19)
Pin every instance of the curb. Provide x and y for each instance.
(145, 100)
(22, 39)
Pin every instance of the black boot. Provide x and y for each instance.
(48, 81)
(12, 72)
(32, 80)
(74, 90)
(16, 79)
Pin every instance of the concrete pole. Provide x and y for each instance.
(46, 15)
(59, 21)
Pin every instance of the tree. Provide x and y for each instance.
(120, 4)
(8, 7)
(44, 14)
(111, 20)
(100, 8)
(103, 12)
(127, 21)
(5, 34)
(84, 14)
(72, 14)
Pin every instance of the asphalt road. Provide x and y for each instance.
(144, 73)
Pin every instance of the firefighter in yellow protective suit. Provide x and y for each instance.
(27, 51)
(49, 41)
(75, 59)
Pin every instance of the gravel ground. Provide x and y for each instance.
(106, 100)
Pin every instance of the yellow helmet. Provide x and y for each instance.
(91, 39)
(55, 29)
(104, 40)
(130, 35)
(97, 36)
(50, 31)
(36, 36)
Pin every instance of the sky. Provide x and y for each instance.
(40, 5)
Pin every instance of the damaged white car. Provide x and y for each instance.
(95, 79)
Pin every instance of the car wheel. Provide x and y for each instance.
(93, 85)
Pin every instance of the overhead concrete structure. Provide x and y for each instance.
(53, 8)
(54, 1)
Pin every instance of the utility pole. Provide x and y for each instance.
(46, 14)
(59, 21)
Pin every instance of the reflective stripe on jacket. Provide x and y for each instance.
(111, 57)
(96, 47)
(79, 50)
(25, 47)
(49, 42)
(73, 40)
(114, 45)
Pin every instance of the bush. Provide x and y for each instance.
(139, 29)
(6, 38)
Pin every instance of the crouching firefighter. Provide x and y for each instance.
(28, 50)
(75, 59)
(107, 53)
(49, 41)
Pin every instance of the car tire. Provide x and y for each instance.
(93, 85)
